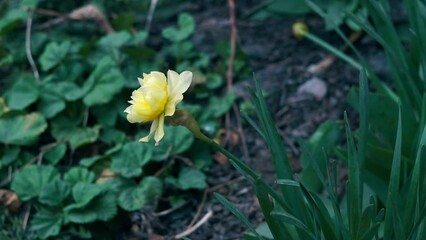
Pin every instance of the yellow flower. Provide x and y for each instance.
(157, 98)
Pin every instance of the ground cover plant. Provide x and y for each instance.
(69, 159)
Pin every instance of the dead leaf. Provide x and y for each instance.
(10, 200)
(106, 174)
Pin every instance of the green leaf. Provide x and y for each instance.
(11, 18)
(83, 193)
(104, 82)
(105, 115)
(148, 191)
(228, 205)
(218, 106)
(75, 136)
(79, 175)
(89, 161)
(8, 155)
(51, 102)
(112, 135)
(264, 231)
(68, 90)
(130, 160)
(102, 208)
(190, 178)
(55, 154)
(21, 129)
(47, 223)
(28, 183)
(176, 140)
(322, 141)
(54, 193)
(53, 54)
(23, 93)
(186, 26)
(288, 7)
(114, 40)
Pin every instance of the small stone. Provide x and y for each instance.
(315, 87)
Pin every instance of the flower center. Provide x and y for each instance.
(150, 100)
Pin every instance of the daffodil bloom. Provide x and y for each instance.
(157, 98)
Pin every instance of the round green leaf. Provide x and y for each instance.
(54, 193)
(191, 178)
(115, 40)
(28, 183)
(130, 160)
(148, 191)
(102, 208)
(74, 135)
(55, 154)
(104, 82)
(186, 26)
(83, 193)
(51, 103)
(47, 223)
(79, 175)
(21, 129)
(23, 93)
(176, 140)
(8, 155)
(53, 54)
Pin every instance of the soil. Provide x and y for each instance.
(281, 63)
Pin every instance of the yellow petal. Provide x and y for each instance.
(177, 84)
(152, 131)
(159, 133)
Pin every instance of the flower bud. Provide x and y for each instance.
(300, 29)
(185, 119)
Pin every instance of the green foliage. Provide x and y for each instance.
(29, 183)
(134, 198)
(384, 196)
(53, 54)
(186, 26)
(21, 129)
(335, 11)
(130, 159)
(64, 135)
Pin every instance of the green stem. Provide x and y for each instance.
(333, 50)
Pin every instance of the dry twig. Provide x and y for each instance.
(150, 15)
(88, 12)
(328, 60)
(203, 220)
(28, 49)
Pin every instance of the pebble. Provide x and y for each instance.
(315, 87)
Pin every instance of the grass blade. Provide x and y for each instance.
(393, 189)
(228, 205)
(278, 230)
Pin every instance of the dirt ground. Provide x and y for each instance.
(282, 65)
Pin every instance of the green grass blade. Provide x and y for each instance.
(228, 205)
(290, 219)
(412, 195)
(363, 116)
(279, 156)
(278, 230)
(394, 182)
(354, 184)
(253, 124)
(324, 218)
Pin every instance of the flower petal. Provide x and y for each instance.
(159, 133)
(152, 131)
(177, 84)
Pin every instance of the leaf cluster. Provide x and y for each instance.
(66, 147)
